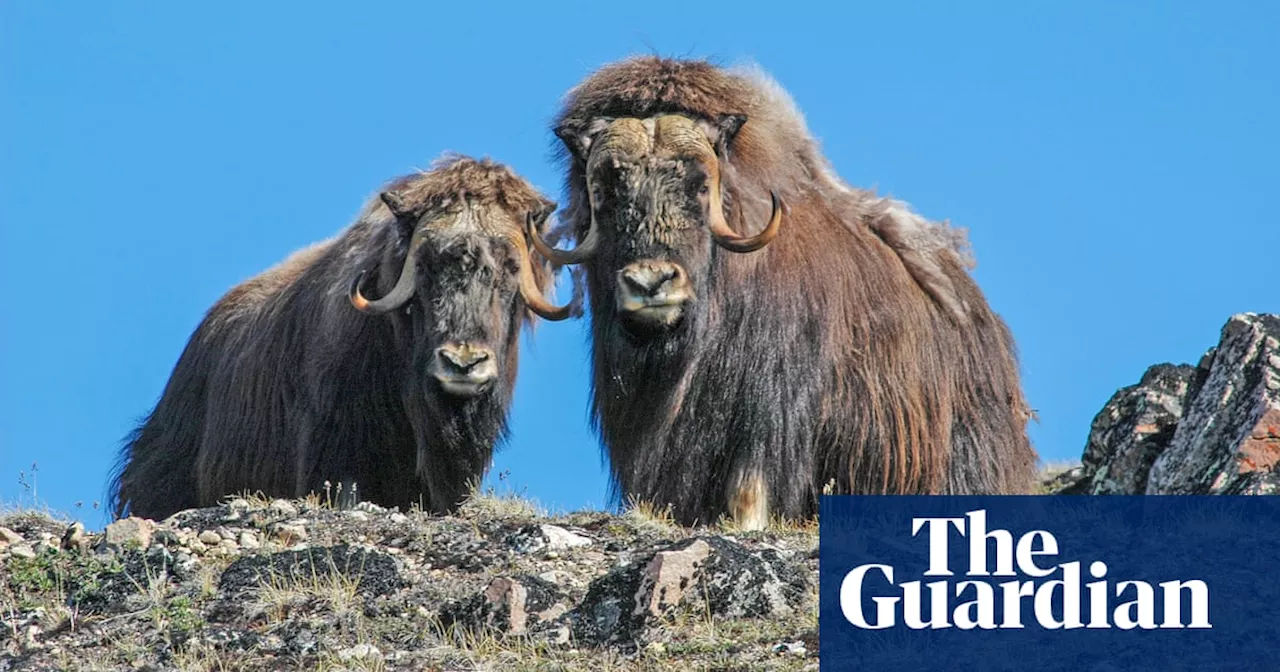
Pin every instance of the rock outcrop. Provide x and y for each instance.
(1211, 428)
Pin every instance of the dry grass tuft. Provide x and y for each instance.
(282, 593)
(646, 517)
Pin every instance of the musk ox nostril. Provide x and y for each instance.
(464, 370)
(649, 280)
(463, 358)
(651, 296)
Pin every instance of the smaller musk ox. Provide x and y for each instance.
(762, 331)
(296, 377)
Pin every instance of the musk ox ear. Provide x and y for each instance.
(540, 214)
(396, 204)
(724, 130)
(578, 139)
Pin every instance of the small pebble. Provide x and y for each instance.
(290, 534)
(238, 505)
(359, 651)
(283, 508)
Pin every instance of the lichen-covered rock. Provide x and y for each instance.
(508, 605)
(534, 538)
(1228, 440)
(372, 572)
(751, 584)
(373, 590)
(1213, 428)
(720, 575)
(558, 538)
(1134, 428)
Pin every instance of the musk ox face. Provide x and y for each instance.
(651, 212)
(463, 283)
(654, 190)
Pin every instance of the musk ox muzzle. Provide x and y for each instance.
(464, 369)
(651, 295)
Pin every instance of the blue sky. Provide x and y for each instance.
(1112, 162)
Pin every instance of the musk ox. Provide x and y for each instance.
(761, 331)
(297, 376)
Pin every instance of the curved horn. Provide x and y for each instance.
(585, 250)
(528, 286)
(726, 238)
(405, 285)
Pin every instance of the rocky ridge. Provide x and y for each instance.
(1208, 428)
(258, 584)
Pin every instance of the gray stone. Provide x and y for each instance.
(166, 537)
(283, 508)
(22, 551)
(249, 540)
(360, 652)
(559, 538)
(370, 507)
(239, 505)
(550, 538)
(796, 648)
(289, 534)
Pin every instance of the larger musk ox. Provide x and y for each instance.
(297, 376)
(762, 331)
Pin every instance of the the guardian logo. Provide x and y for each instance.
(1051, 594)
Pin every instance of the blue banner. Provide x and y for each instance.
(1046, 583)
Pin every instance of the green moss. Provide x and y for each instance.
(69, 577)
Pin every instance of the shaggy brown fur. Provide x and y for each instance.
(285, 385)
(853, 351)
